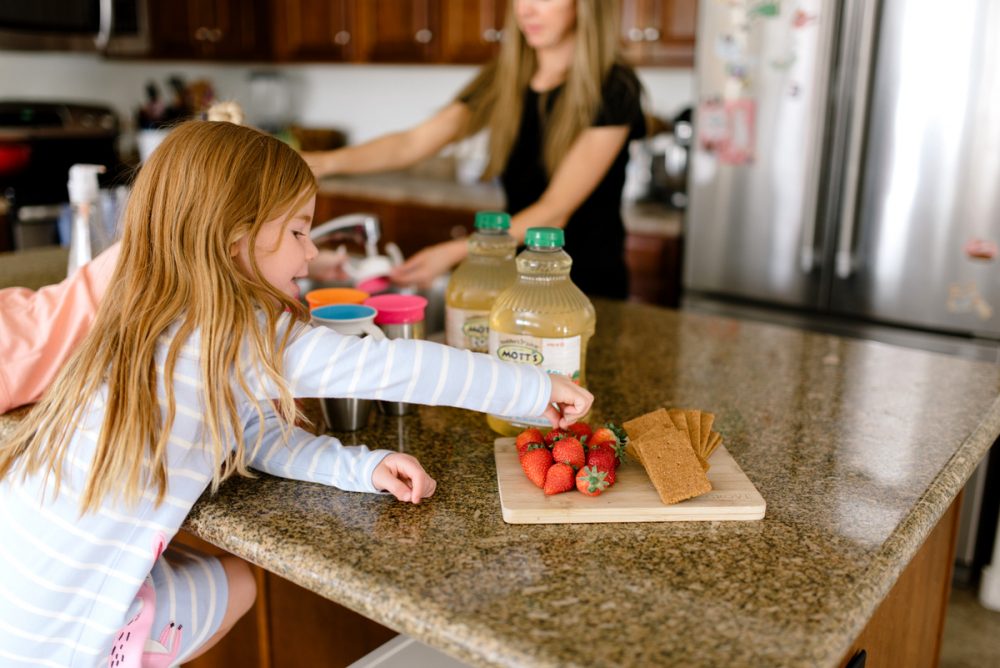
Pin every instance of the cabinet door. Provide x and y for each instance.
(315, 30)
(471, 30)
(399, 31)
(659, 32)
(216, 30)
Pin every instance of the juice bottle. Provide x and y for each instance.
(485, 273)
(542, 319)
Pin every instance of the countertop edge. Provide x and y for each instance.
(909, 536)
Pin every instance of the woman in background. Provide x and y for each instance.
(560, 107)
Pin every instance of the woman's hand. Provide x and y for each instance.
(328, 265)
(428, 264)
(402, 476)
(567, 403)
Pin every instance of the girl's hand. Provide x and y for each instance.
(422, 268)
(402, 476)
(571, 402)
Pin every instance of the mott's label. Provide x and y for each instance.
(467, 329)
(560, 356)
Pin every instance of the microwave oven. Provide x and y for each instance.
(111, 27)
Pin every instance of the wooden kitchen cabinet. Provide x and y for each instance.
(288, 627)
(659, 32)
(907, 627)
(399, 31)
(654, 32)
(209, 29)
(471, 30)
(315, 29)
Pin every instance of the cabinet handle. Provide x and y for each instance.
(201, 34)
(651, 34)
(491, 35)
(214, 35)
(424, 36)
(342, 37)
(635, 34)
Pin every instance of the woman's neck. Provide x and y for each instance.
(553, 64)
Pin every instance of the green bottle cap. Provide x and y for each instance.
(544, 237)
(492, 220)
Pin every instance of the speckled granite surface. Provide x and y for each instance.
(857, 447)
(640, 218)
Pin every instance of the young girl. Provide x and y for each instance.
(187, 377)
(560, 106)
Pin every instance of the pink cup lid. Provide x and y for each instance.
(373, 285)
(397, 309)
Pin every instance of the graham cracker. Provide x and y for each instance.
(706, 432)
(713, 442)
(679, 419)
(672, 465)
(694, 427)
(636, 427)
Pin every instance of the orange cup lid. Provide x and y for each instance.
(325, 296)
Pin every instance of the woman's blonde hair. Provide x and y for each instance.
(206, 187)
(496, 96)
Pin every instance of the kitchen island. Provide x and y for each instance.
(859, 449)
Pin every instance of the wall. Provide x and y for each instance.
(363, 100)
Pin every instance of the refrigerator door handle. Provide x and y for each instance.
(860, 46)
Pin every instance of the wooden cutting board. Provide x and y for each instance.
(631, 499)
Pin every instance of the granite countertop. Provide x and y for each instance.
(857, 447)
(435, 189)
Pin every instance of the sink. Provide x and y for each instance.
(433, 316)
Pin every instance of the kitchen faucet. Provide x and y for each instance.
(365, 225)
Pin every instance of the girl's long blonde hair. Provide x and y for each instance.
(207, 186)
(496, 96)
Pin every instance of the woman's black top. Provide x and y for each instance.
(595, 234)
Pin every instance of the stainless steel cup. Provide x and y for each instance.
(400, 317)
(409, 330)
(348, 414)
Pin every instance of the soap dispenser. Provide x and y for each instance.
(86, 230)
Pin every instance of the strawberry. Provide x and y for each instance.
(554, 436)
(610, 434)
(606, 448)
(581, 430)
(559, 478)
(569, 451)
(591, 481)
(536, 462)
(602, 458)
(526, 438)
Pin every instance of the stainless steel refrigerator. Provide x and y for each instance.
(846, 161)
(845, 176)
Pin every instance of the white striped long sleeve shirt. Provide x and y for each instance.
(67, 581)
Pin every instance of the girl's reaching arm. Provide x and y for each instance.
(322, 363)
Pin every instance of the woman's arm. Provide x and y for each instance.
(585, 165)
(395, 150)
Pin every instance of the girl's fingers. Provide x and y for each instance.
(398, 489)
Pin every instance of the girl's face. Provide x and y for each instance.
(545, 23)
(283, 249)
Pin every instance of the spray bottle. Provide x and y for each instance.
(87, 231)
